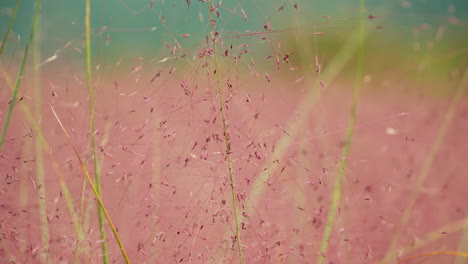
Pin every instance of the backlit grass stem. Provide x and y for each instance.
(93, 187)
(91, 95)
(38, 144)
(337, 190)
(226, 135)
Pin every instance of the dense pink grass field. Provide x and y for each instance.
(185, 91)
(165, 182)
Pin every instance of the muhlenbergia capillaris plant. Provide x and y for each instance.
(233, 132)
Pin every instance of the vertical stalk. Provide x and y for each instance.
(226, 136)
(91, 95)
(93, 187)
(36, 41)
(337, 190)
(45, 235)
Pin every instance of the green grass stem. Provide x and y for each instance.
(337, 190)
(10, 25)
(91, 97)
(93, 187)
(39, 150)
(294, 126)
(227, 140)
(19, 78)
(45, 146)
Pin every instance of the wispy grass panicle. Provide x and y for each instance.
(227, 139)
(255, 132)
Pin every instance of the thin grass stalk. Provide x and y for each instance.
(39, 150)
(294, 126)
(390, 254)
(45, 234)
(91, 95)
(84, 222)
(45, 146)
(227, 139)
(337, 190)
(93, 187)
(10, 25)
(20, 75)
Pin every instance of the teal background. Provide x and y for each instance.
(64, 20)
(135, 30)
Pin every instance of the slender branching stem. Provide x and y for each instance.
(226, 135)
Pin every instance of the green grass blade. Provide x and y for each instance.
(45, 146)
(93, 187)
(20, 75)
(10, 25)
(39, 147)
(337, 190)
(91, 95)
